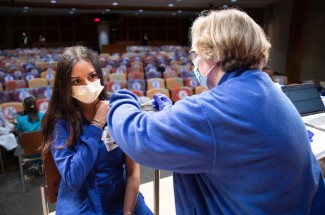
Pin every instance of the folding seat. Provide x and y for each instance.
(153, 74)
(135, 75)
(179, 93)
(112, 86)
(200, 89)
(44, 92)
(191, 82)
(155, 83)
(136, 85)
(29, 151)
(151, 92)
(42, 104)
(11, 110)
(173, 82)
(120, 77)
(21, 93)
(4, 96)
(137, 92)
(37, 83)
(15, 84)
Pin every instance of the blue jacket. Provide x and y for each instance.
(240, 148)
(92, 179)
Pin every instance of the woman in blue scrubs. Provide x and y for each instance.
(96, 176)
(239, 148)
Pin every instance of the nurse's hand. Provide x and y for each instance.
(160, 101)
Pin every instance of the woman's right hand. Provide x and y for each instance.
(102, 109)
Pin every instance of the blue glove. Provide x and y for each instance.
(310, 135)
(160, 101)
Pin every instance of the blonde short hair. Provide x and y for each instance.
(231, 39)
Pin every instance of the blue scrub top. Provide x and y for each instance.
(92, 178)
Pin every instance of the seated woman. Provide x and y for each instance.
(31, 118)
(28, 122)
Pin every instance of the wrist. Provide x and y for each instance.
(127, 213)
(97, 123)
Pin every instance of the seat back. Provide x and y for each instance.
(155, 83)
(179, 93)
(153, 91)
(4, 97)
(31, 142)
(52, 177)
(137, 85)
(37, 83)
(11, 109)
(112, 86)
(121, 77)
(191, 82)
(174, 82)
(200, 89)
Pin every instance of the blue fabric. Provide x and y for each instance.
(92, 179)
(24, 125)
(240, 148)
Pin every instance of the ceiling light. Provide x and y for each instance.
(140, 11)
(26, 8)
(115, 3)
(53, 1)
(233, 0)
(225, 6)
(107, 10)
(73, 9)
(170, 5)
(179, 11)
(71, 12)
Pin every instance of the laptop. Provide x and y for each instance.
(308, 102)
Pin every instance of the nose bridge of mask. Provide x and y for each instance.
(79, 90)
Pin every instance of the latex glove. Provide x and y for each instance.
(310, 135)
(160, 101)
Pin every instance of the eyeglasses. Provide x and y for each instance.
(194, 57)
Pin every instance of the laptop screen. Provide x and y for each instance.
(305, 98)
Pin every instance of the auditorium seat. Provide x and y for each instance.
(151, 92)
(173, 82)
(155, 83)
(179, 93)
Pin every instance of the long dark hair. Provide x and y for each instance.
(30, 109)
(62, 105)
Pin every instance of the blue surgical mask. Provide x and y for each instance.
(201, 78)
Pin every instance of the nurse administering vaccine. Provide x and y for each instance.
(227, 147)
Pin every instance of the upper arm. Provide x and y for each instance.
(179, 138)
(132, 168)
(74, 163)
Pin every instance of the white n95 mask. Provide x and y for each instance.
(87, 93)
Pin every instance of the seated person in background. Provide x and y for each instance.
(7, 138)
(31, 118)
(28, 122)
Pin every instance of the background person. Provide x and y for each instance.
(239, 148)
(96, 176)
(7, 130)
(28, 122)
(31, 118)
